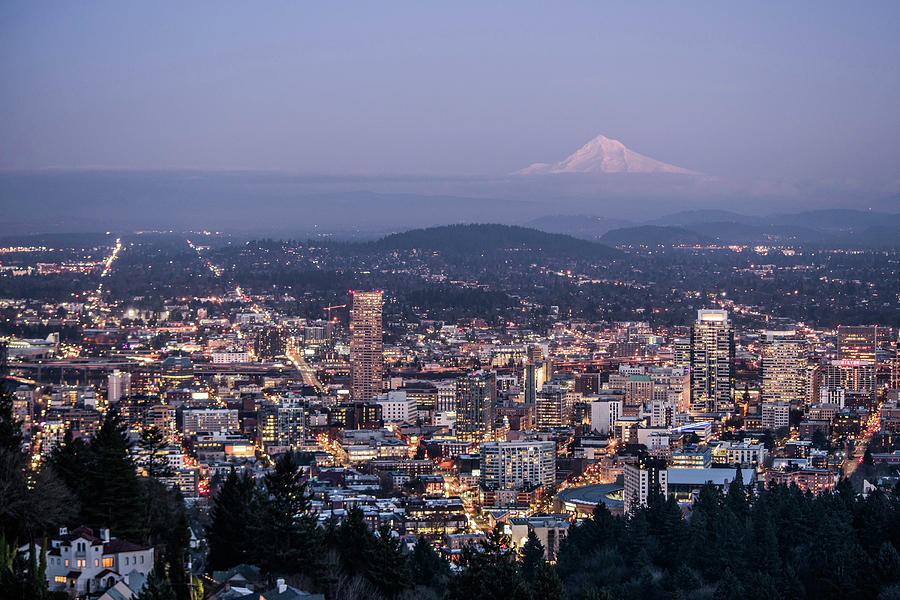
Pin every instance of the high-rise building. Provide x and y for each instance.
(784, 367)
(118, 385)
(681, 353)
(605, 411)
(712, 362)
(552, 407)
(475, 407)
(536, 375)
(283, 425)
(516, 465)
(366, 352)
(857, 343)
(852, 375)
(643, 480)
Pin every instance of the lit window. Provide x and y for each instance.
(81, 563)
(96, 562)
(108, 563)
(67, 562)
(60, 579)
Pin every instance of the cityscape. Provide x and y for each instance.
(601, 378)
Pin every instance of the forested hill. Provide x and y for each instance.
(464, 239)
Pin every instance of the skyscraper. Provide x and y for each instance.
(712, 362)
(536, 375)
(857, 343)
(475, 407)
(552, 408)
(784, 366)
(118, 385)
(366, 355)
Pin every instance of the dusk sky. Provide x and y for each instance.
(806, 90)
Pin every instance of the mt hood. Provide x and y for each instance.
(603, 155)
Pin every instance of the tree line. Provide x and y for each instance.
(780, 543)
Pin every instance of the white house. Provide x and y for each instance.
(79, 562)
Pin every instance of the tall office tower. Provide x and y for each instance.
(712, 362)
(475, 407)
(681, 353)
(647, 478)
(366, 354)
(851, 375)
(519, 464)
(857, 343)
(535, 353)
(536, 375)
(552, 407)
(118, 385)
(784, 364)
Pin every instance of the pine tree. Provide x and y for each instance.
(287, 528)
(547, 585)
(235, 509)
(737, 498)
(114, 491)
(428, 569)
(490, 573)
(388, 568)
(10, 427)
(152, 441)
(176, 557)
(532, 556)
(156, 588)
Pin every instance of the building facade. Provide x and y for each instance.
(712, 362)
(366, 349)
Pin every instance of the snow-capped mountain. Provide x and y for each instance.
(603, 155)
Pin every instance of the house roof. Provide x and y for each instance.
(116, 546)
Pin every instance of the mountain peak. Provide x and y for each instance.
(604, 155)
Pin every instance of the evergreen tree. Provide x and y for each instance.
(388, 570)
(287, 528)
(737, 498)
(354, 543)
(428, 569)
(152, 442)
(729, 587)
(868, 459)
(490, 572)
(230, 534)
(532, 556)
(547, 585)
(176, 558)
(113, 492)
(10, 427)
(156, 588)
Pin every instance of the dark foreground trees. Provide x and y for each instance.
(780, 544)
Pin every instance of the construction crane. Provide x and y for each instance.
(328, 308)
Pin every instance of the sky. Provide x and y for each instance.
(795, 90)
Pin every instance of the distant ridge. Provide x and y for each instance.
(604, 155)
(654, 235)
(489, 237)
